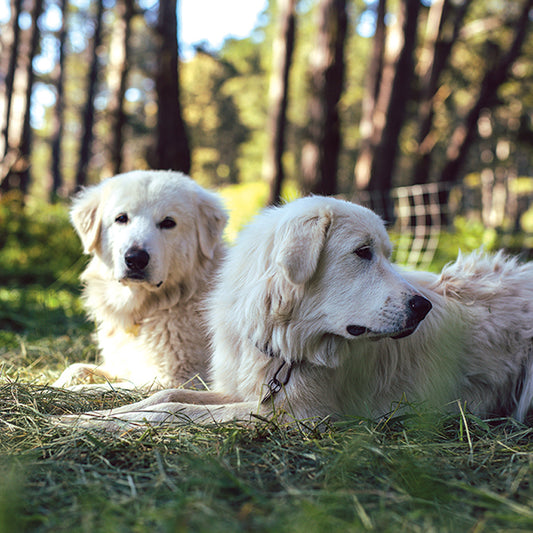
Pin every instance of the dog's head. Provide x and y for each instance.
(328, 276)
(148, 228)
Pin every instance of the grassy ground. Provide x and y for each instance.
(418, 473)
(424, 472)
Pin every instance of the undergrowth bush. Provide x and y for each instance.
(37, 244)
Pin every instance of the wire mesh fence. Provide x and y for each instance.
(421, 213)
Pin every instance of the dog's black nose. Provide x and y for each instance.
(420, 307)
(136, 259)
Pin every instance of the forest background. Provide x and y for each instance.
(332, 96)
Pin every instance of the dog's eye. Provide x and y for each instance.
(122, 219)
(167, 223)
(365, 252)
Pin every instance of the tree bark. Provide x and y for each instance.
(375, 165)
(370, 97)
(89, 111)
(440, 38)
(172, 148)
(26, 137)
(383, 165)
(320, 152)
(117, 80)
(11, 69)
(283, 47)
(57, 135)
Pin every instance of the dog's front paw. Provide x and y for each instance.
(76, 373)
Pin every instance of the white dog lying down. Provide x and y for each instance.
(155, 238)
(310, 318)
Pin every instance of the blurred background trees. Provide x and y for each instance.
(365, 96)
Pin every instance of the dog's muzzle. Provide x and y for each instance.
(418, 307)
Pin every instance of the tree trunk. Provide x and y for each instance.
(440, 38)
(117, 79)
(283, 47)
(172, 148)
(371, 94)
(391, 106)
(89, 111)
(57, 135)
(320, 152)
(10, 75)
(465, 133)
(26, 137)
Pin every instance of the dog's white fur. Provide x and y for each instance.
(150, 320)
(310, 284)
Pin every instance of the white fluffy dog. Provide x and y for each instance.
(311, 319)
(155, 239)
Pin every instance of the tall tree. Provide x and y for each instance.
(321, 150)
(58, 120)
(444, 22)
(390, 106)
(117, 74)
(172, 146)
(19, 175)
(372, 86)
(282, 50)
(89, 110)
(16, 7)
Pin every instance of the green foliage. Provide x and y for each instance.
(468, 235)
(37, 244)
(30, 308)
(243, 202)
(214, 126)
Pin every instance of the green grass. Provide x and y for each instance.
(410, 474)
(423, 472)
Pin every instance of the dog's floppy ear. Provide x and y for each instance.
(86, 216)
(211, 223)
(301, 245)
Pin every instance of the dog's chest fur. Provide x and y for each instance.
(164, 349)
